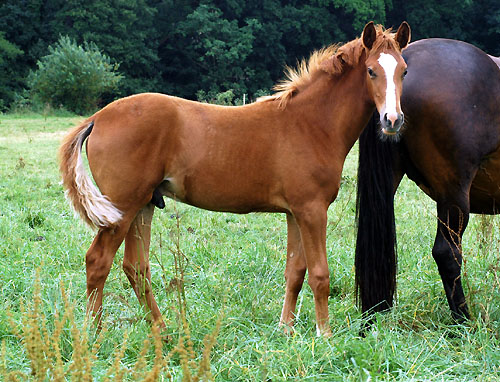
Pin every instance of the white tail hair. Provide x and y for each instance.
(87, 200)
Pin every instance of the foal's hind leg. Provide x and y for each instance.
(294, 273)
(447, 252)
(136, 261)
(99, 259)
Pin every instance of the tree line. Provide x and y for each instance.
(200, 49)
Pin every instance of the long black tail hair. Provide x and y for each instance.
(376, 256)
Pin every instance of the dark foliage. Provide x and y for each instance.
(182, 47)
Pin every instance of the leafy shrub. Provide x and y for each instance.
(73, 76)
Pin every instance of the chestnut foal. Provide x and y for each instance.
(284, 153)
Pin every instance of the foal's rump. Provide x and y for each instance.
(126, 148)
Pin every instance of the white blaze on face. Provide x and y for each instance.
(389, 64)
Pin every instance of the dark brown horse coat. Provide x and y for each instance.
(450, 148)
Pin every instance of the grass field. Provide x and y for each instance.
(233, 273)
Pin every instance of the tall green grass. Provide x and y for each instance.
(233, 278)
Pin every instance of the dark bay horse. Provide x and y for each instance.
(282, 154)
(450, 147)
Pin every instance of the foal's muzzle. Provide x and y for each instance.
(392, 123)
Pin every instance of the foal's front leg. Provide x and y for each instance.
(294, 273)
(311, 220)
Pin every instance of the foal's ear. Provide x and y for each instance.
(369, 35)
(403, 35)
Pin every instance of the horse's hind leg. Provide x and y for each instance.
(447, 252)
(99, 259)
(136, 261)
(294, 273)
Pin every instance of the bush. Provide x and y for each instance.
(73, 76)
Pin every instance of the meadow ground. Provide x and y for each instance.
(233, 274)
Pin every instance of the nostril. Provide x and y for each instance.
(400, 120)
(385, 117)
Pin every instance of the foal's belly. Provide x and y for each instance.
(485, 189)
(227, 195)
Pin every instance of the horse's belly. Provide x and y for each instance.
(485, 189)
(224, 195)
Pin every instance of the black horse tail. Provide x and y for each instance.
(376, 256)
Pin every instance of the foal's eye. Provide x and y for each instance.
(371, 73)
(405, 73)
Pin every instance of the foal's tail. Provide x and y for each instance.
(375, 259)
(94, 208)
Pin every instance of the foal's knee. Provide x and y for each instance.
(320, 283)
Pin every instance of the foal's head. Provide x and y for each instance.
(385, 71)
(377, 53)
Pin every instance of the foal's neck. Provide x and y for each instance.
(338, 105)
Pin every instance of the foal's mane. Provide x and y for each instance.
(332, 59)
